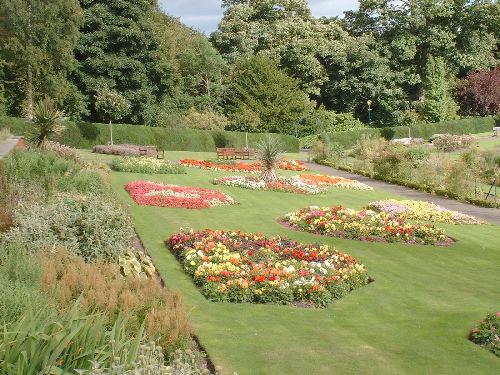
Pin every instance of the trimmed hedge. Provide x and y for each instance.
(469, 125)
(87, 135)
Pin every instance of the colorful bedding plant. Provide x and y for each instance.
(420, 210)
(146, 165)
(147, 193)
(365, 225)
(339, 182)
(288, 185)
(246, 267)
(487, 333)
(255, 167)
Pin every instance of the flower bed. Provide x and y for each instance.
(256, 167)
(146, 165)
(217, 166)
(487, 333)
(147, 193)
(363, 225)
(292, 165)
(340, 182)
(248, 267)
(283, 184)
(420, 210)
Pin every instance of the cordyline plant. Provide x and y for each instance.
(111, 106)
(269, 153)
(48, 121)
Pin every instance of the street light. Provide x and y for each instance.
(369, 102)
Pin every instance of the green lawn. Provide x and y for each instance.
(414, 319)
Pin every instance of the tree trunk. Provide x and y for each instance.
(269, 176)
(110, 133)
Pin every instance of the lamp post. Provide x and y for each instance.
(369, 102)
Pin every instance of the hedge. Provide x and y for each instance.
(468, 125)
(86, 135)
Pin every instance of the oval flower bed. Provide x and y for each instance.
(365, 225)
(420, 210)
(340, 182)
(487, 333)
(288, 185)
(247, 267)
(255, 167)
(146, 165)
(147, 193)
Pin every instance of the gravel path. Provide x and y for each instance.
(489, 214)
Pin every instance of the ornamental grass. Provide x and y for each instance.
(248, 267)
(364, 225)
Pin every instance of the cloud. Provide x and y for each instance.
(205, 15)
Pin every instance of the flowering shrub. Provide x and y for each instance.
(256, 167)
(487, 333)
(420, 210)
(283, 184)
(147, 193)
(247, 267)
(363, 225)
(63, 151)
(448, 142)
(146, 165)
(340, 182)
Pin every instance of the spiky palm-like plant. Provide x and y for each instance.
(269, 153)
(47, 120)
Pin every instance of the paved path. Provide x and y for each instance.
(489, 214)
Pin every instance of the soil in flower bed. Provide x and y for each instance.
(247, 267)
(255, 167)
(147, 193)
(421, 210)
(287, 185)
(364, 225)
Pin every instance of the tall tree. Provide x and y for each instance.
(38, 37)
(284, 30)
(437, 101)
(262, 98)
(117, 48)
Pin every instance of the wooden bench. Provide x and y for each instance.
(496, 131)
(235, 153)
(152, 151)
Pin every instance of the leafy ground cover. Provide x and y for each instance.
(415, 318)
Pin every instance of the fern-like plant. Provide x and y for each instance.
(269, 153)
(47, 120)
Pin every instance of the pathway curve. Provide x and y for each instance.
(489, 214)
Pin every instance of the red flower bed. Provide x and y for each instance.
(256, 167)
(147, 193)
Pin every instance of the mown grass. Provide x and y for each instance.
(414, 319)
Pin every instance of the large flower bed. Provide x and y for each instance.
(247, 267)
(149, 193)
(487, 333)
(255, 167)
(365, 225)
(146, 165)
(283, 184)
(420, 210)
(340, 182)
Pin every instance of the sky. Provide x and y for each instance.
(204, 15)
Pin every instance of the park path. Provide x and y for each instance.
(488, 214)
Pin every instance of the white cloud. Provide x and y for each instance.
(205, 15)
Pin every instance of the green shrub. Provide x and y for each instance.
(20, 284)
(88, 135)
(4, 134)
(323, 121)
(90, 226)
(487, 333)
(207, 120)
